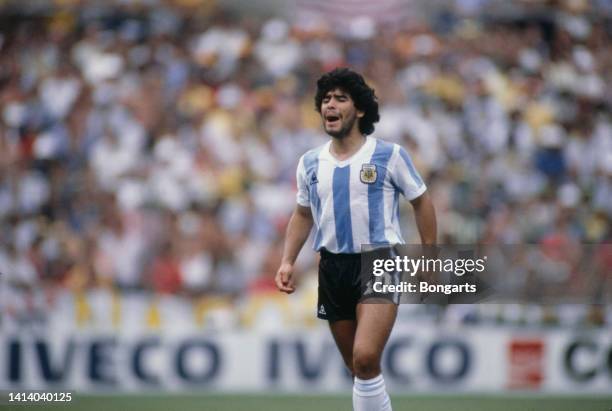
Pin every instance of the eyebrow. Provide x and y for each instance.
(336, 94)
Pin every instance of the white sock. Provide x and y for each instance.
(370, 395)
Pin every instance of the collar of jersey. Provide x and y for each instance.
(341, 163)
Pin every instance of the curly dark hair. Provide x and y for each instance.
(362, 95)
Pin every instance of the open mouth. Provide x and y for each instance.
(331, 119)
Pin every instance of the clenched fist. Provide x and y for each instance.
(284, 278)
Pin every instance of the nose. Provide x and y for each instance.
(331, 103)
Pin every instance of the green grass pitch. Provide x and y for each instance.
(284, 402)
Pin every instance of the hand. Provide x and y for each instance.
(284, 278)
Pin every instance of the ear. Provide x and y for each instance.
(360, 114)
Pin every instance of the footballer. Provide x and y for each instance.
(349, 190)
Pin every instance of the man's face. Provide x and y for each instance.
(339, 113)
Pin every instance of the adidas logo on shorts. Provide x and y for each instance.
(322, 310)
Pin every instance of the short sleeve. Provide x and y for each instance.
(302, 196)
(405, 176)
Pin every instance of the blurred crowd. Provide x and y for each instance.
(148, 149)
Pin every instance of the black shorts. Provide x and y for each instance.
(343, 284)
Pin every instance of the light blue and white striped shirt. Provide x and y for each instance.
(356, 201)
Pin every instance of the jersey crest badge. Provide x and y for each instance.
(368, 173)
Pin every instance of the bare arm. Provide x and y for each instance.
(298, 229)
(425, 216)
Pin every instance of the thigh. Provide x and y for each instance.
(374, 324)
(343, 332)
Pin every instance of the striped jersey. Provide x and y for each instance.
(356, 201)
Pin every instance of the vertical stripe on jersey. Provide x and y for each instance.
(391, 223)
(376, 204)
(415, 176)
(342, 209)
(396, 207)
(311, 165)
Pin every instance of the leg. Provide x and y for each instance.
(374, 324)
(344, 335)
(337, 303)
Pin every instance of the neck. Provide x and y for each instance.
(343, 148)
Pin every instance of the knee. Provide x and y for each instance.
(348, 361)
(366, 363)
